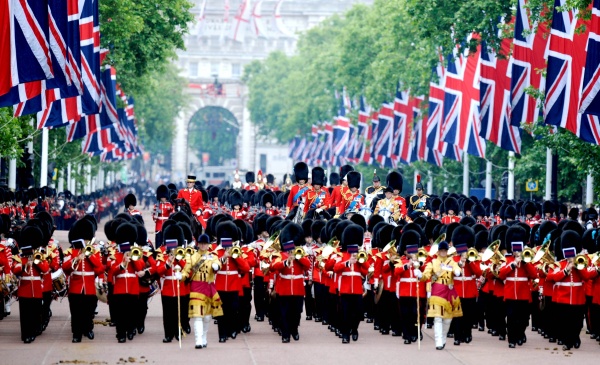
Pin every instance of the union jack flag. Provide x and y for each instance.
(566, 62)
(590, 99)
(327, 150)
(495, 100)
(385, 131)
(528, 61)
(341, 132)
(373, 137)
(461, 103)
(292, 147)
(87, 125)
(362, 134)
(89, 31)
(436, 117)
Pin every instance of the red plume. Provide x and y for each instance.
(418, 178)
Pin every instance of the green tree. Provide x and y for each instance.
(15, 133)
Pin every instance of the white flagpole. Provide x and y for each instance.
(466, 174)
(511, 175)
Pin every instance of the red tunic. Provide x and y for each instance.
(229, 277)
(161, 213)
(466, 283)
(350, 274)
(401, 204)
(290, 279)
(194, 197)
(167, 274)
(82, 274)
(450, 219)
(316, 199)
(126, 279)
(516, 280)
(407, 281)
(30, 285)
(568, 289)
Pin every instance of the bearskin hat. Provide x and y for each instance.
(352, 235)
(529, 208)
(451, 204)
(228, 229)
(344, 170)
(81, 230)
(270, 179)
(162, 192)
(130, 200)
(334, 178)
(292, 232)
(126, 232)
(318, 176)
(478, 210)
(301, 171)
(236, 199)
(408, 238)
(394, 180)
(250, 177)
(353, 179)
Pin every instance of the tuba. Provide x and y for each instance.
(581, 262)
(434, 247)
(473, 255)
(493, 254)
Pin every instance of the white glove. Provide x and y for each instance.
(178, 275)
(457, 272)
(215, 267)
(177, 268)
(418, 273)
(198, 212)
(318, 210)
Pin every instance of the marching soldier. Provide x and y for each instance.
(450, 208)
(237, 201)
(271, 183)
(161, 212)
(267, 201)
(130, 203)
(251, 183)
(419, 204)
(30, 267)
(205, 302)
(290, 283)
(82, 264)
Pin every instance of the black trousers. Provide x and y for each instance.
(548, 320)
(517, 319)
(388, 311)
(111, 307)
(170, 316)
(82, 309)
(570, 322)
(245, 308)
(125, 320)
(481, 309)
(141, 309)
(352, 313)
(595, 319)
(588, 308)
(291, 311)
(408, 315)
(46, 302)
(309, 303)
(499, 315)
(260, 304)
(534, 310)
(488, 303)
(463, 326)
(369, 304)
(320, 300)
(231, 306)
(274, 311)
(30, 310)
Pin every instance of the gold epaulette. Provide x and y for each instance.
(17, 258)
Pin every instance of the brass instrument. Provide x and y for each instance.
(493, 254)
(422, 255)
(545, 257)
(136, 253)
(38, 256)
(179, 253)
(88, 250)
(595, 259)
(528, 255)
(392, 251)
(434, 247)
(273, 244)
(235, 252)
(362, 256)
(299, 253)
(189, 250)
(473, 255)
(581, 262)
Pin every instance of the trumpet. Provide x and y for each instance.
(136, 253)
(299, 253)
(528, 255)
(434, 247)
(88, 250)
(362, 256)
(581, 262)
(235, 252)
(189, 250)
(38, 257)
(422, 255)
(473, 255)
(179, 253)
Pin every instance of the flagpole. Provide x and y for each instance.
(548, 193)
(415, 174)
(12, 174)
(466, 174)
(488, 179)
(44, 159)
(429, 183)
(511, 175)
(589, 191)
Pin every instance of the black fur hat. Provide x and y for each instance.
(235, 198)
(548, 207)
(213, 192)
(515, 233)
(334, 178)
(529, 208)
(394, 180)
(478, 210)
(174, 232)
(268, 197)
(510, 212)
(450, 204)
(126, 232)
(344, 170)
(463, 235)
(81, 230)
(228, 229)
(360, 220)
(301, 171)
(353, 179)
(436, 204)
(568, 239)
(142, 235)
(318, 176)
(430, 227)
(481, 240)
(162, 192)
(373, 220)
(270, 179)
(250, 178)
(315, 229)
(408, 238)
(292, 232)
(352, 235)
(31, 236)
(574, 213)
(130, 200)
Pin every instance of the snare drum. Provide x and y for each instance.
(59, 282)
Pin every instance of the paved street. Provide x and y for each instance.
(262, 345)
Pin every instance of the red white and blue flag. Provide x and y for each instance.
(385, 134)
(590, 98)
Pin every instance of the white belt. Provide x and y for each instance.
(228, 272)
(569, 284)
(463, 278)
(291, 277)
(30, 278)
(408, 280)
(84, 273)
(351, 273)
(162, 218)
(170, 278)
(512, 278)
(126, 275)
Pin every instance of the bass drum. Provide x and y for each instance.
(59, 283)
(154, 289)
